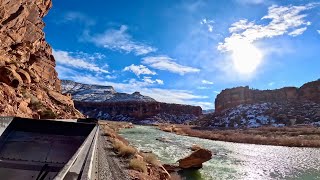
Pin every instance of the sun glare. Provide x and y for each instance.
(245, 56)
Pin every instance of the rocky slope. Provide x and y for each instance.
(103, 102)
(29, 86)
(244, 107)
(229, 98)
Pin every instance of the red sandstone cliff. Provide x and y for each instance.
(233, 97)
(29, 86)
(135, 110)
(103, 102)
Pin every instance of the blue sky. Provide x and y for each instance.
(186, 51)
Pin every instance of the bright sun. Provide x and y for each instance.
(245, 56)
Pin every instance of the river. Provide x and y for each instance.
(230, 160)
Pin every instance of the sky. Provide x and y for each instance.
(186, 51)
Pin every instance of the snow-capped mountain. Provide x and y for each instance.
(103, 102)
(97, 93)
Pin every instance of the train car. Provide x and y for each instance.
(32, 149)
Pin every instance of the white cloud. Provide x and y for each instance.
(318, 31)
(209, 23)
(206, 82)
(245, 57)
(120, 40)
(150, 81)
(204, 105)
(87, 56)
(173, 96)
(168, 64)
(217, 92)
(66, 59)
(297, 32)
(159, 81)
(110, 77)
(64, 72)
(283, 19)
(139, 69)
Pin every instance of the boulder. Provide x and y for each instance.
(195, 159)
(171, 168)
(195, 147)
(66, 100)
(23, 107)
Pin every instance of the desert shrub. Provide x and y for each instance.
(48, 114)
(123, 149)
(24, 93)
(35, 103)
(107, 131)
(116, 144)
(127, 151)
(138, 165)
(151, 159)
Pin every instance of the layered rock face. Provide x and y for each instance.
(103, 102)
(243, 95)
(242, 107)
(29, 86)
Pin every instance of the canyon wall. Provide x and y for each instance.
(134, 109)
(29, 85)
(103, 102)
(233, 97)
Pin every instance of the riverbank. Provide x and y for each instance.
(230, 160)
(136, 164)
(277, 136)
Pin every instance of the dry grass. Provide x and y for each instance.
(127, 151)
(138, 165)
(139, 162)
(123, 149)
(107, 131)
(115, 125)
(111, 133)
(35, 104)
(151, 159)
(284, 136)
(48, 114)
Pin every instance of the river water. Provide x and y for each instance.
(231, 160)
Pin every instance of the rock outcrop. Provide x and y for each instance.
(103, 102)
(229, 98)
(192, 161)
(29, 86)
(195, 159)
(264, 114)
(242, 107)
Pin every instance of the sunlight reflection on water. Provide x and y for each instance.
(231, 160)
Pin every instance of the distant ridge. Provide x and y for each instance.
(103, 102)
